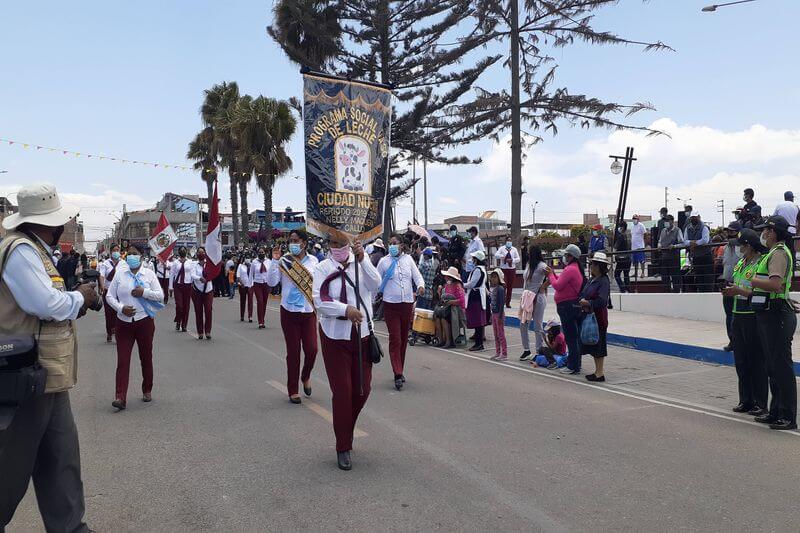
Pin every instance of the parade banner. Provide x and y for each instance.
(347, 128)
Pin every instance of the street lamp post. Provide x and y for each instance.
(533, 223)
(713, 7)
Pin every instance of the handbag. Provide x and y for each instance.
(590, 332)
(375, 350)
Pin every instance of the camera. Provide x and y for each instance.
(90, 275)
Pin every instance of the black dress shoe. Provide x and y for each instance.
(742, 408)
(783, 423)
(477, 348)
(727, 348)
(183, 330)
(398, 383)
(593, 377)
(177, 327)
(118, 404)
(757, 411)
(307, 390)
(343, 458)
(766, 418)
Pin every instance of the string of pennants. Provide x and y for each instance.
(28, 146)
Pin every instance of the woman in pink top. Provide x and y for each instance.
(567, 290)
(452, 295)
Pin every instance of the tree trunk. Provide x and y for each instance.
(268, 212)
(516, 140)
(234, 208)
(245, 214)
(383, 24)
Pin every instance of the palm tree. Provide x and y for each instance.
(202, 152)
(307, 30)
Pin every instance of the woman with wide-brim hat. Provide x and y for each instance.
(594, 300)
(477, 308)
(567, 286)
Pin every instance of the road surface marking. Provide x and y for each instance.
(321, 411)
(667, 375)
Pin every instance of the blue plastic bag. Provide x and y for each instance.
(590, 332)
(561, 361)
(541, 360)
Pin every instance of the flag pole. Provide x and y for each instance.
(358, 307)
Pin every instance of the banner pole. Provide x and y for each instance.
(358, 335)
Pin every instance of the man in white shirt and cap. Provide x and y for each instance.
(508, 258)
(38, 436)
(791, 213)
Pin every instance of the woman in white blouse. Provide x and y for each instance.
(399, 275)
(202, 295)
(342, 326)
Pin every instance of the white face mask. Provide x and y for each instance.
(635, 222)
(763, 240)
(668, 225)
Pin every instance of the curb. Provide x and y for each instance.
(684, 351)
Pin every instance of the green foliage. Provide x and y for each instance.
(580, 229)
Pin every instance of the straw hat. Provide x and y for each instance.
(601, 257)
(39, 204)
(451, 272)
(499, 273)
(379, 244)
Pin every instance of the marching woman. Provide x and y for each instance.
(107, 271)
(245, 289)
(342, 328)
(748, 355)
(180, 285)
(136, 295)
(162, 273)
(477, 316)
(567, 288)
(399, 274)
(776, 321)
(294, 272)
(258, 278)
(202, 295)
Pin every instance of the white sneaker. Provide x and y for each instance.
(566, 370)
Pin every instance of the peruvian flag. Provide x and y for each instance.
(163, 239)
(213, 243)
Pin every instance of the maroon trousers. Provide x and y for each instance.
(110, 315)
(261, 291)
(299, 328)
(183, 296)
(164, 282)
(398, 318)
(203, 302)
(245, 297)
(509, 276)
(141, 332)
(341, 365)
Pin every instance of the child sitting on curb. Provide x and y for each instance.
(554, 344)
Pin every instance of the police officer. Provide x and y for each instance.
(42, 440)
(776, 321)
(748, 354)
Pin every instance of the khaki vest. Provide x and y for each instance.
(58, 341)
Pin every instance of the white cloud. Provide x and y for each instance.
(448, 200)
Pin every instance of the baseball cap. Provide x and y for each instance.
(773, 222)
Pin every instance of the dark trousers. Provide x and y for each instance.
(622, 274)
(568, 313)
(671, 272)
(42, 442)
(727, 305)
(776, 329)
(203, 305)
(703, 268)
(261, 291)
(245, 298)
(110, 316)
(164, 282)
(509, 276)
(299, 329)
(183, 296)
(341, 365)
(398, 319)
(140, 332)
(748, 355)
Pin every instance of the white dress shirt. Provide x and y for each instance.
(788, 210)
(501, 254)
(256, 276)
(119, 293)
(105, 268)
(637, 236)
(243, 275)
(29, 283)
(369, 280)
(275, 275)
(473, 246)
(399, 288)
(176, 270)
(163, 269)
(197, 274)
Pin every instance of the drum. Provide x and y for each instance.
(423, 322)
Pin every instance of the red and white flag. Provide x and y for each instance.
(213, 242)
(163, 239)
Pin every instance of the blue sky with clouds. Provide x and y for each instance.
(126, 79)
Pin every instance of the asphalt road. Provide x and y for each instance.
(468, 445)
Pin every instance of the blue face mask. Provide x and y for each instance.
(134, 261)
(295, 248)
(115, 256)
(508, 246)
(394, 250)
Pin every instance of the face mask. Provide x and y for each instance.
(594, 233)
(565, 259)
(134, 261)
(115, 256)
(763, 240)
(394, 250)
(739, 250)
(295, 248)
(635, 222)
(261, 256)
(508, 246)
(341, 254)
(668, 225)
(453, 233)
(744, 199)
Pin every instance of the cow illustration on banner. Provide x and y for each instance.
(347, 133)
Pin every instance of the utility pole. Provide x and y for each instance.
(721, 209)
(666, 195)
(414, 191)
(516, 133)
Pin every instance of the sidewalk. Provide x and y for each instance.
(689, 339)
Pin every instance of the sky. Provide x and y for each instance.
(126, 80)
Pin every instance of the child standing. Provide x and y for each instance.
(497, 298)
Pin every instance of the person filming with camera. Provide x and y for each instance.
(38, 436)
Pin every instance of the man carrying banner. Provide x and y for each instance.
(207, 266)
(298, 319)
(180, 286)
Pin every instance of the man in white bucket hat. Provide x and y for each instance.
(38, 437)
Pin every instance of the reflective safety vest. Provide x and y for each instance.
(742, 277)
(762, 273)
